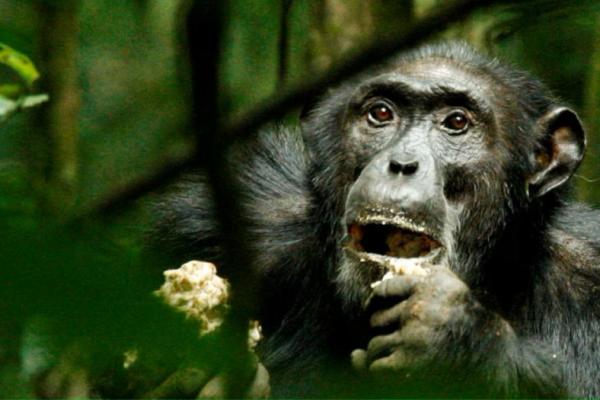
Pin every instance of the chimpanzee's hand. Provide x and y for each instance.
(423, 322)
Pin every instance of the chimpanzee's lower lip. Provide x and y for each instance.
(396, 265)
(362, 256)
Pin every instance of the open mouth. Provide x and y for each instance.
(390, 240)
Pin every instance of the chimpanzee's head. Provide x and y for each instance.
(435, 158)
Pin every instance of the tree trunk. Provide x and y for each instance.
(343, 26)
(57, 171)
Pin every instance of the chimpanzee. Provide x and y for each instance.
(446, 165)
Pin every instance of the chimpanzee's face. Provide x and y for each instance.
(424, 145)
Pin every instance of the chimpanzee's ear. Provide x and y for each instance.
(560, 152)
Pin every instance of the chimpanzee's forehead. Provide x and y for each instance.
(435, 80)
(439, 71)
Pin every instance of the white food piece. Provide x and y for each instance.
(406, 266)
(402, 266)
(197, 290)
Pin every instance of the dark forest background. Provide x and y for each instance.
(75, 276)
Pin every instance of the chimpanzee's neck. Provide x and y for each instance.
(519, 258)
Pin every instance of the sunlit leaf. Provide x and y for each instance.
(7, 107)
(20, 63)
(33, 100)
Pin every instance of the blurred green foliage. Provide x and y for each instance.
(14, 96)
(87, 287)
(19, 63)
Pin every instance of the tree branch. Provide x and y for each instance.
(246, 126)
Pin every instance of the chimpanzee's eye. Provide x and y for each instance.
(379, 114)
(456, 122)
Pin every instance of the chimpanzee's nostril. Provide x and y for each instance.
(396, 167)
(407, 168)
(410, 168)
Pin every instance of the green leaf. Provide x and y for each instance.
(20, 63)
(7, 108)
(11, 90)
(33, 100)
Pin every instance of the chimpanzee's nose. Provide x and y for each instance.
(397, 167)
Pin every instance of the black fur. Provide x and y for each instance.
(532, 261)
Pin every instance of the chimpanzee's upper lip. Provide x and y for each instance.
(393, 217)
(399, 221)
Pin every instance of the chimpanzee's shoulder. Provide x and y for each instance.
(271, 173)
(577, 223)
(575, 250)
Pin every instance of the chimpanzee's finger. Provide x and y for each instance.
(359, 359)
(397, 286)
